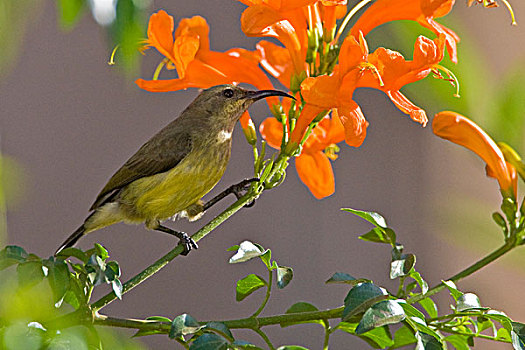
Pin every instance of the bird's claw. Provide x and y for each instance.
(242, 188)
(188, 243)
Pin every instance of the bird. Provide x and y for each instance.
(168, 176)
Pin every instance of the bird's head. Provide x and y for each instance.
(226, 103)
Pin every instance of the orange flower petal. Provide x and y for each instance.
(315, 171)
(354, 123)
(462, 131)
(272, 131)
(321, 91)
(197, 25)
(406, 106)
(160, 33)
(352, 53)
(198, 75)
(184, 50)
(276, 61)
(307, 115)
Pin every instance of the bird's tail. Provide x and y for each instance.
(71, 240)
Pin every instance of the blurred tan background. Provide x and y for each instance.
(69, 121)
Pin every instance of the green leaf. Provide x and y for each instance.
(30, 272)
(182, 325)
(420, 281)
(74, 252)
(220, 328)
(380, 235)
(244, 345)
(266, 257)
(158, 319)
(247, 251)
(116, 285)
(499, 317)
(370, 216)
(403, 266)
(410, 310)
(429, 306)
(284, 276)
(403, 336)
(112, 270)
(101, 251)
(58, 277)
(360, 298)
(11, 255)
(504, 334)
(427, 342)
(421, 326)
(301, 307)
(341, 277)
(291, 347)
(378, 338)
(456, 294)
(70, 12)
(460, 342)
(248, 285)
(209, 341)
(383, 313)
(518, 335)
(469, 301)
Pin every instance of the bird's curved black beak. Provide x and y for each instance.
(257, 95)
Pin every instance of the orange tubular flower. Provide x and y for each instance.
(196, 64)
(458, 129)
(422, 11)
(396, 72)
(325, 92)
(313, 164)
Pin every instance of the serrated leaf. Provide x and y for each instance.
(518, 335)
(420, 281)
(458, 341)
(209, 341)
(403, 336)
(248, 285)
(247, 251)
(429, 306)
(383, 313)
(360, 298)
(469, 301)
(453, 289)
(301, 307)
(370, 216)
(284, 276)
(380, 235)
(403, 266)
(427, 342)
(182, 325)
(219, 327)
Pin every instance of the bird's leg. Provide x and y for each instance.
(185, 240)
(238, 190)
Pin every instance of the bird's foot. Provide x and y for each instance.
(188, 243)
(242, 188)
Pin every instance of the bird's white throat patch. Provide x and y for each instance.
(224, 136)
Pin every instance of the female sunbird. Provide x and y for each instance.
(171, 172)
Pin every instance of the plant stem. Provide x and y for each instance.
(268, 291)
(243, 323)
(508, 246)
(265, 338)
(160, 263)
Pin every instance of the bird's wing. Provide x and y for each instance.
(156, 156)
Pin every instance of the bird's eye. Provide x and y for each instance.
(228, 93)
